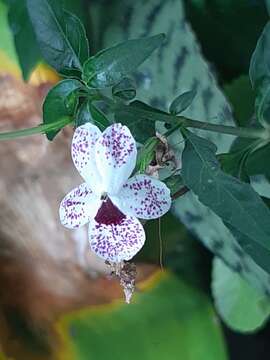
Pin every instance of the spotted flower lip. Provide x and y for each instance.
(109, 200)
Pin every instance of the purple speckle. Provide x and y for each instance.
(117, 242)
(117, 145)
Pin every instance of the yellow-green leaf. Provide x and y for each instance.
(167, 319)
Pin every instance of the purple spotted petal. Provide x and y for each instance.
(83, 154)
(115, 156)
(144, 197)
(117, 242)
(78, 207)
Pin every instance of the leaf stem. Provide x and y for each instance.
(226, 129)
(189, 123)
(180, 192)
(176, 121)
(40, 129)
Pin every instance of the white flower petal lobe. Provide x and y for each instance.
(78, 207)
(117, 242)
(115, 157)
(83, 154)
(144, 197)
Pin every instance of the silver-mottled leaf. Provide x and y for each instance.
(179, 66)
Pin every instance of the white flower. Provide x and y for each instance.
(108, 200)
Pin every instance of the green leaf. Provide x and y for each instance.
(24, 36)
(171, 246)
(163, 236)
(89, 112)
(260, 61)
(267, 3)
(262, 103)
(83, 115)
(255, 164)
(60, 34)
(260, 76)
(217, 25)
(236, 203)
(146, 154)
(246, 158)
(61, 101)
(242, 97)
(179, 65)
(168, 319)
(240, 306)
(257, 251)
(140, 127)
(99, 117)
(6, 45)
(182, 102)
(78, 8)
(234, 163)
(174, 183)
(125, 89)
(109, 66)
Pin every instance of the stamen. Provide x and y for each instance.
(104, 196)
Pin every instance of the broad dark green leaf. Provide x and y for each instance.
(242, 97)
(98, 116)
(83, 115)
(166, 79)
(260, 76)
(174, 183)
(262, 103)
(236, 203)
(78, 8)
(240, 306)
(163, 235)
(167, 319)
(220, 31)
(90, 112)
(24, 37)
(256, 155)
(234, 163)
(168, 241)
(255, 250)
(61, 101)
(138, 125)
(125, 89)
(182, 102)
(109, 66)
(7, 50)
(256, 162)
(267, 3)
(60, 34)
(260, 61)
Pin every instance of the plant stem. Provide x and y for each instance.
(40, 129)
(189, 123)
(148, 115)
(226, 129)
(180, 192)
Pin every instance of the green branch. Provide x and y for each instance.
(40, 129)
(148, 115)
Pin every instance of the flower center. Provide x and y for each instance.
(108, 213)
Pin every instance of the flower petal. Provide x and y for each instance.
(82, 152)
(117, 242)
(78, 207)
(144, 197)
(115, 157)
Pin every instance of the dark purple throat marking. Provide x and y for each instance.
(109, 214)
